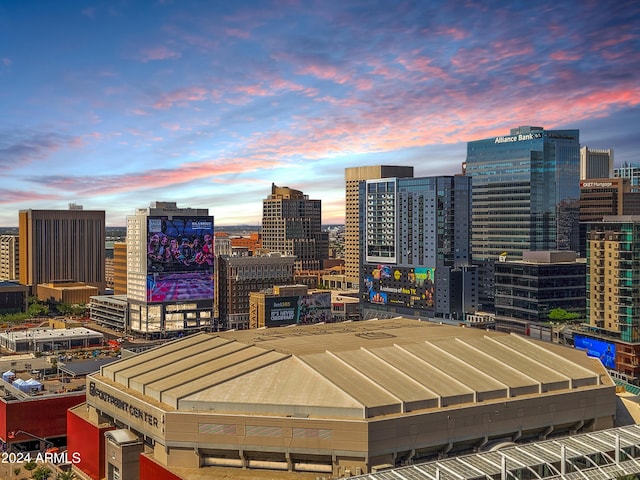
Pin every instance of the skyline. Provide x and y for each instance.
(116, 105)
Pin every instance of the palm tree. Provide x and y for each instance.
(41, 473)
(68, 475)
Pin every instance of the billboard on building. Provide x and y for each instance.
(180, 258)
(407, 287)
(298, 309)
(280, 311)
(605, 351)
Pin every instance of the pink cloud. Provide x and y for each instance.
(7, 62)
(234, 32)
(256, 90)
(269, 87)
(325, 72)
(158, 53)
(453, 32)
(174, 127)
(423, 65)
(182, 97)
(16, 196)
(564, 56)
(159, 178)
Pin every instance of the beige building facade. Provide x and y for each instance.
(9, 257)
(343, 398)
(62, 245)
(353, 176)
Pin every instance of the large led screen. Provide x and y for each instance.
(303, 309)
(605, 351)
(180, 259)
(280, 311)
(315, 308)
(407, 287)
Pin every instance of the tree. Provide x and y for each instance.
(30, 465)
(561, 315)
(79, 309)
(37, 309)
(68, 475)
(41, 473)
(64, 308)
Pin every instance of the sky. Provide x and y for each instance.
(116, 104)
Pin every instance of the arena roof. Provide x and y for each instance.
(588, 456)
(358, 370)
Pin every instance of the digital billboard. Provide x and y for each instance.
(314, 308)
(180, 258)
(299, 309)
(407, 287)
(605, 351)
(280, 311)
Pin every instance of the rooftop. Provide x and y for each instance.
(586, 456)
(358, 370)
(51, 334)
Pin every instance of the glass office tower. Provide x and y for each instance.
(526, 190)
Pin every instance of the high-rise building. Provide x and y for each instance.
(526, 194)
(62, 245)
(9, 257)
(415, 257)
(613, 269)
(613, 297)
(630, 171)
(353, 177)
(595, 163)
(170, 269)
(600, 197)
(292, 225)
(120, 268)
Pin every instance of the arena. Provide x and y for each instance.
(341, 399)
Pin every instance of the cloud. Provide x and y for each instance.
(89, 12)
(16, 196)
(158, 53)
(7, 62)
(564, 56)
(181, 97)
(18, 148)
(235, 32)
(92, 185)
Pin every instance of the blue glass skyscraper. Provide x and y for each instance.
(526, 191)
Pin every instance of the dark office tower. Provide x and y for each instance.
(353, 176)
(595, 163)
(526, 190)
(292, 225)
(415, 247)
(62, 245)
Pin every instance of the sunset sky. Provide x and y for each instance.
(115, 104)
